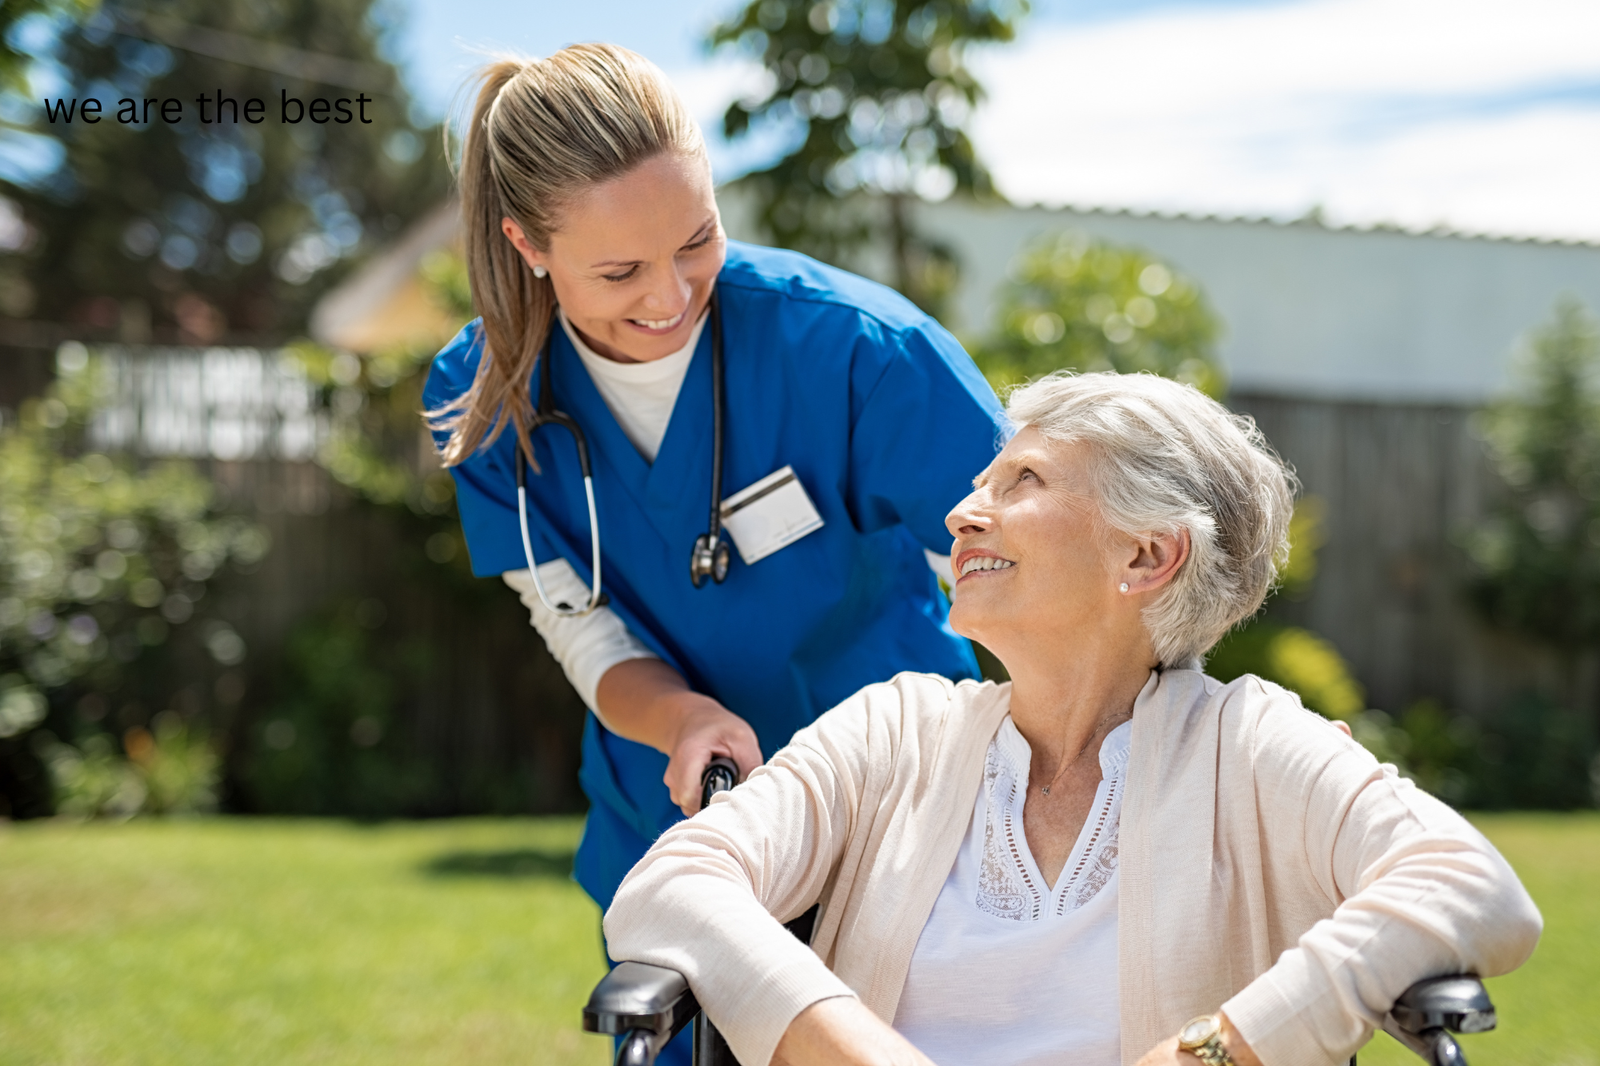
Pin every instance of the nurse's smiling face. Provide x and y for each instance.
(633, 259)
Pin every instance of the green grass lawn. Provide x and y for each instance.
(231, 942)
(235, 941)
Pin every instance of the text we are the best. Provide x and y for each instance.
(211, 110)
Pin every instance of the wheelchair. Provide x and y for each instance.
(649, 1005)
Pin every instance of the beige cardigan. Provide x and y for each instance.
(1269, 865)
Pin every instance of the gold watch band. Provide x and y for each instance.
(1202, 1038)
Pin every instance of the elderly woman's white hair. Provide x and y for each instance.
(1166, 458)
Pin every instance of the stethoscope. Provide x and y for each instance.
(711, 555)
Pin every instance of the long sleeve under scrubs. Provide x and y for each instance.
(885, 421)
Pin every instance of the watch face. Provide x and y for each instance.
(1197, 1031)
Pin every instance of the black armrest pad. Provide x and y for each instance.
(636, 995)
(1458, 1003)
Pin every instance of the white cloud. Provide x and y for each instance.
(1413, 111)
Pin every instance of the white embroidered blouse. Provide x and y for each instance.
(1010, 971)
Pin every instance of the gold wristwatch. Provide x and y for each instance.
(1202, 1038)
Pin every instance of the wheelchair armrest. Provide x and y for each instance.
(637, 995)
(1429, 1011)
(1460, 1004)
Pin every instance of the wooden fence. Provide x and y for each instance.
(1402, 484)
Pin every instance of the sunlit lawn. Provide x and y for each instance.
(233, 942)
(273, 942)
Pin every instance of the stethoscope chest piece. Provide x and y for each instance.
(711, 558)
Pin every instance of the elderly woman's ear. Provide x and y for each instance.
(1151, 561)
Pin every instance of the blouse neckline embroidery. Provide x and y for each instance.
(1010, 885)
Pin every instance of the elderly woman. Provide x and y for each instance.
(1111, 849)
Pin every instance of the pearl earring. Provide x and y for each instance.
(1123, 587)
(539, 271)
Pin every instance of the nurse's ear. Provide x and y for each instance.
(519, 240)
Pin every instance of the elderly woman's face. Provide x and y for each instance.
(1029, 550)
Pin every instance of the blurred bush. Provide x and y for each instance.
(1532, 752)
(1538, 554)
(1081, 304)
(1295, 658)
(169, 769)
(328, 744)
(102, 563)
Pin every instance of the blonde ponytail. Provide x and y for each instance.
(542, 132)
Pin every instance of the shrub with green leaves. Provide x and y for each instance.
(101, 559)
(1538, 553)
(1080, 304)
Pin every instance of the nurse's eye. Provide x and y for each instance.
(624, 276)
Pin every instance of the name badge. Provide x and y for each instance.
(771, 514)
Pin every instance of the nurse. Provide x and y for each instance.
(851, 422)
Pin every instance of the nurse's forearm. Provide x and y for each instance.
(647, 701)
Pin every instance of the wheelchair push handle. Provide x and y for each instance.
(721, 774)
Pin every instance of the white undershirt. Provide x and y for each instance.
(1009, 971)
(641, 397)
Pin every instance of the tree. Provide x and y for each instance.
(100, 564)
(14, 62)
(211, 224)
(1079, 304)
(875, 95)
(1538, 553)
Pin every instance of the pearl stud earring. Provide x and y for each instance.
(539, 271)
(1123, 587)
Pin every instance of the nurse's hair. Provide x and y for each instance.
(542, 132)
(1165, 458)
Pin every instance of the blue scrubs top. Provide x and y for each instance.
(885, 420)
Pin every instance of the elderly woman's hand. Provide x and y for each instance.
(1167, 1052)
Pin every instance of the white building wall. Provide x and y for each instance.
(1310, 312)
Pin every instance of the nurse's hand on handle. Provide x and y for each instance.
(647, 701)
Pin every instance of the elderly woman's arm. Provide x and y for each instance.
(703, 900)
(1420, 892)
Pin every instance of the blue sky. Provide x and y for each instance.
(435, 44)
(1477, 115)
(1474, 115)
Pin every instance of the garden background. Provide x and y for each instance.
(232, 583)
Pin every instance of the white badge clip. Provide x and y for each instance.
(771, 514)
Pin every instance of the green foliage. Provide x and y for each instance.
(1538, 554)
(100, 560)
(1086, 305)
(191, 230)
(1295, 658)
(14, 62)
(876, 95)
(1305, 537)
(1536, 753)
(97, 557)
(171, 771)
(1530, 754)
(329, 745)
(376, 444)
(93, 781)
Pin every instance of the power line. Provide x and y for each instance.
(262, 55)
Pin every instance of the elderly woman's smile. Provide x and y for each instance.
(1035, 561)
(1068, 867)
